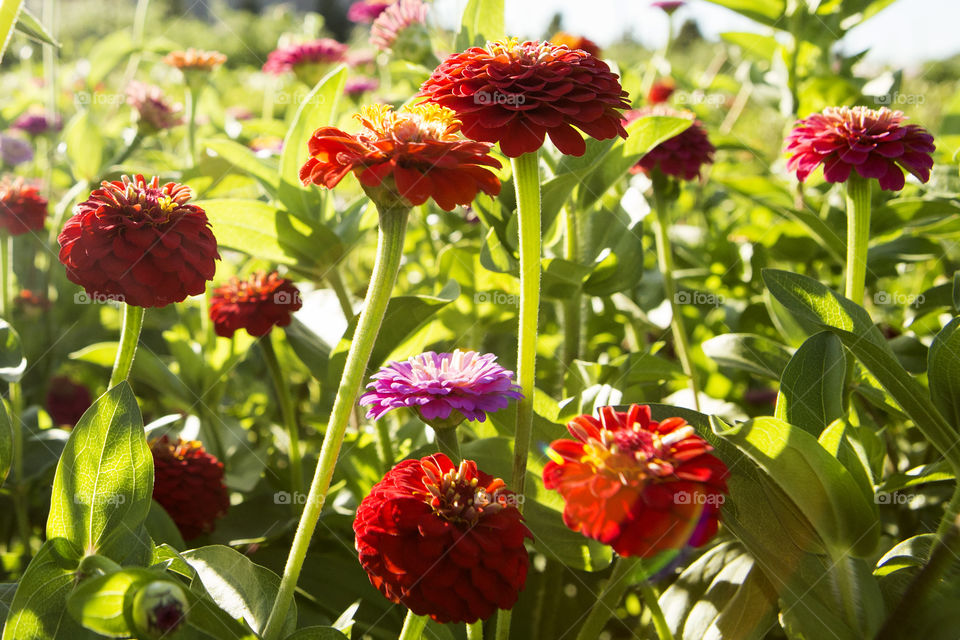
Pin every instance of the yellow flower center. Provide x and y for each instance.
(415, 123)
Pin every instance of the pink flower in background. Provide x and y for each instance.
(36, 123)
(669, 6)
(394, 19)
(322, 51)
(367, 10)
(154, 112)
(14, 151)
(358, 86)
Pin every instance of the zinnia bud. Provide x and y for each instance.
(140, 243)
(640, 486)
(257, 304)
(22, 208)
(159, 608)
(188, 484)
(154, 112)
(445, 541)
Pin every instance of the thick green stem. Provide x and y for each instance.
(661, 229)
(21, 492)
(6, 275)
(858, 235)
(126, 151)
(393, 224)
(384, 445)
(413, 626)
(129, 338)
(608, 600)
(343, 296)
(475, 630)
(192, 96)
(841, 570)
(572, 318)
(287, 413)
(447, 443)
(952, 512)
(652, 602)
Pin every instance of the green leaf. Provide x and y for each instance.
(162, 528)
(263, 231)
(147, 368)
(317, 633)
(317, 110)
(238, 585)
(724, 594)
(943, 372)
(756, 45)
(814, 303)
(98, 603)
(811, 388)
(6, 443)
(7, 589)
(622, 266)
(9, 12)
(84, 146)
(766, 12)
(103, 485)
(12, 361)
(39, 611)
(30, 26)
(309, 348)
(749, 352)
(246, 160)
(482, 21)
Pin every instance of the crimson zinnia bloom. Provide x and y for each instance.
(154, 112)
(682, 155)
(140, 243)
(660, 91)
(515, 94)
(443, 540)
(67, 401)
(413, 154)
(257, 304)
(464, 383)
(321, 51)
(22, 208)
(576, 42)
(188, 484)
(640, 486)
(875, 143)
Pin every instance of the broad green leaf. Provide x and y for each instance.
(39, 611)
(910, 353)
(263, 231)
(756, 45)
(12, 361)
(147, 368)
(238, 585)
(7, 589)
(811, 388)
(622, 266)
(30, 26)
(749, 352)
(317, 633)
(105, 56)
(923, 474)
(245, 159)
(482, 21)
(104, 482)
(813, 302)
(722, 596)
(766, 12)
(6, 443)
(943, 373)
(98, 603)
(309, 347)
(84, 146)
(317, 110)
(9, 12)
(162, 528)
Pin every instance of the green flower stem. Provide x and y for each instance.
(286, 412)
(609, 598)
(384, 445)
(393, 224)
(447, 443)
(858, 235)
(950, 515)
(652, 601)
(6, 275)
(413, 626)
(661, 229)
(475, 630)
(192, 96)
(129, 338)
(126, 151)
(335, 280)
(21, 493)
(572, 318)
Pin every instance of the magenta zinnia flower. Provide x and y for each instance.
(154, 113)
(395, 19)
(36, 123)
(669, 6)
(322, 51)
(682, 155)
(875, 143)
(367, 10)
(437, 385)
(358, 86)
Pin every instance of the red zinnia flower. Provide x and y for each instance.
(875, 143)
(67, 401)
(515, 94)
(22, 208)
(256, 304)
(413, 154)
(640, 486)
(188, 484)
(140, 243)
(680, 156)
(660, 91)
(576, 42)
(443, 540)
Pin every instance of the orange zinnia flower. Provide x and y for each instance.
(195, 60)
(409, 155)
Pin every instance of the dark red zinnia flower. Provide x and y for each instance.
(576, 42)
(661, 91)
(445, 541)
(875, 143)
(413, 154)
(139, 243)
(515, 94)
(67, 400)
(640, 486)
(188, 484)
(256, 304)
(22, 208)
(682, 155)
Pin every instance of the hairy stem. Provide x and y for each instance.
(129, 338)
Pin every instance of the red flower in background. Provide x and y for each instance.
(22, 208)
(661, 91)
(67, 400)
(188, 484)
(576, 42)
(139, 243)
(443, 540)
(516, 94)
(413, 154)
(681, 156)
(874, 143)
(256, 304)
(640, 486)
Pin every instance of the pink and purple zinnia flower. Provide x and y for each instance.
(321, 51)
(438, 385)
(367, 10)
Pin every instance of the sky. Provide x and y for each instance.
(907, 32)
